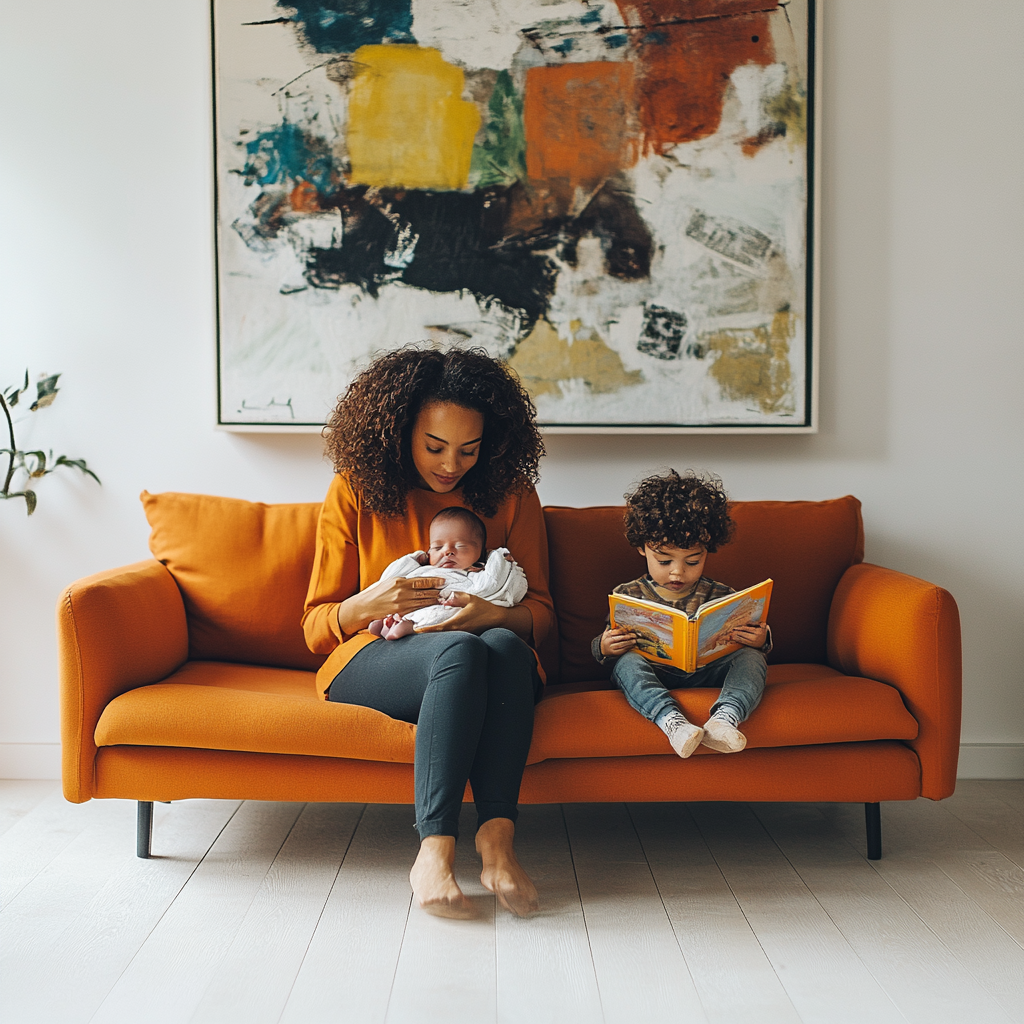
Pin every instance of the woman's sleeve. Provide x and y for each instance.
(335, 575)
(528, 542)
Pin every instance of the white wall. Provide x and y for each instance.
(105, 170)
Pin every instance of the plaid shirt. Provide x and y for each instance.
(704, 590)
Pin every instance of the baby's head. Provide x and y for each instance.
(457, 538)
(674, 521)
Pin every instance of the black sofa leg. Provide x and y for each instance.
(873, 820)
(144, 829)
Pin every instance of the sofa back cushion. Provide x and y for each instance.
(242, 568)
(804, 546)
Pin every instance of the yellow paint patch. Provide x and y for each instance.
(408, 126)
(753, 364)
(543, 359)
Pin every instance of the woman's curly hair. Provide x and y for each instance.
(368, 434)
(680, 510)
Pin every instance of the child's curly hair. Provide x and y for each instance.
(367, 435)
(684, 511)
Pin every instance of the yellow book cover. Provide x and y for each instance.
(668, 636)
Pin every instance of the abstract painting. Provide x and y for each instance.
(614, 195)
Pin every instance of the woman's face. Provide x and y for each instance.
(445, 444)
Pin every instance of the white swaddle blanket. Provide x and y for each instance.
(500, 581)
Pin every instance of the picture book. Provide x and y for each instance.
(667, 636)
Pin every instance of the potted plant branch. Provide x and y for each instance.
(35, 464)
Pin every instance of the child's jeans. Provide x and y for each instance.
(740, 676)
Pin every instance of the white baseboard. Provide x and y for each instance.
(991, 761)
(977, 761)
(29, 760)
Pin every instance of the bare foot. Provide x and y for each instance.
(502, 873)
(433, 881)
(395, 627)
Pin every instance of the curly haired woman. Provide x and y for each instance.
(419, 430)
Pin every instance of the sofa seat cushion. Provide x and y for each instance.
(802, 705)
(221, 706)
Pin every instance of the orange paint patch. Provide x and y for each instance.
(408, 125)
(580, 122)
(685, 67)
(304, 198)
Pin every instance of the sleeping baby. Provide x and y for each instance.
(457, 542)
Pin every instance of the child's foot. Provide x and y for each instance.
(721, 734)
(376, 627)
(395, 628)
(684, 736)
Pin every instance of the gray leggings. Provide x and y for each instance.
(472, 700)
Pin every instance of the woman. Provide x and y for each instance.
(417, 431)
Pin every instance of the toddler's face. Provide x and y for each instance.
(453, 545)
(675, 569)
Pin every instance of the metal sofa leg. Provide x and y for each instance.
(873, 821)
(144, 829)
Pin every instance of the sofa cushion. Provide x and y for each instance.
(218, 706)
(804, 546)
(243, 569)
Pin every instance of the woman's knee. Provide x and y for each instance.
(507, 646)
(458, 656)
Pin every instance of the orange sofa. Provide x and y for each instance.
(187, 675)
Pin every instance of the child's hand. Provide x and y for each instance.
(753, 634)
(618, 641)
(422, 557)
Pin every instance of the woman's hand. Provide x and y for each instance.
(616, 642)
(475, 615)
(753, 634)
(396, 597)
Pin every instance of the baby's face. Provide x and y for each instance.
(453, 546)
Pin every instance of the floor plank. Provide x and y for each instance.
(723, 954)
(173, 967)
(42, 834)
(977, 941)
(641, 971)
(446, 969)
(994, 820)
(1010, 791)
(921, 976)
(823, 976)
(545, 969)
(80, 922)
(19, 796)
(281, 921)
(349, 967)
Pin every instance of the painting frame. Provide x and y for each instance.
(808, 384)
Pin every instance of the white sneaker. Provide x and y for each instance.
(722, 736)
(683, 735)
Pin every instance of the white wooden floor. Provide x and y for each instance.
(301, 914)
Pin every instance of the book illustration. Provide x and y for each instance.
(667, 634)
(653, 629)
(716, 624)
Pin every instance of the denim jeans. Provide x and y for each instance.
(472, 698)
(740, 675)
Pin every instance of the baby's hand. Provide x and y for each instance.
(456, 599)
(617, 641)
(422, 557)
(753, 634)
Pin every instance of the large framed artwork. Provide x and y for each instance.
(615, 196)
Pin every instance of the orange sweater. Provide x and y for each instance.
(354, 547)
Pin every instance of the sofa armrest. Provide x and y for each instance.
(900, 630)
(115, 631)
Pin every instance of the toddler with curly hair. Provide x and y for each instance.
(674, 522)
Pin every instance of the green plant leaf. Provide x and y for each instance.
(63, 460)
(30, 501)
(40, 466)
(46, 392)
(13, 394)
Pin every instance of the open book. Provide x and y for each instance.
(667, 636)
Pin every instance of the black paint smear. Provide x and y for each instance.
(464, 243)
(663, 332)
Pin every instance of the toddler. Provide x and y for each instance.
(674, 521)
(456, 555)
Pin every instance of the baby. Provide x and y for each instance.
(456, 555)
